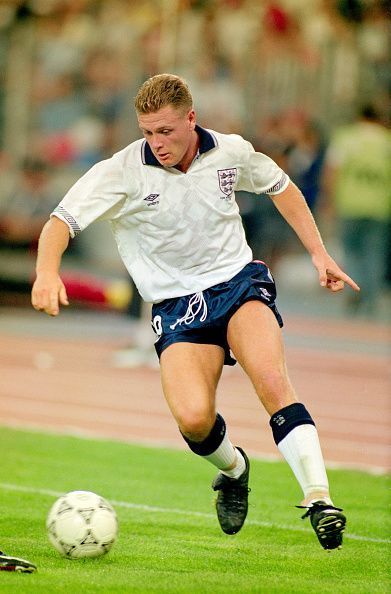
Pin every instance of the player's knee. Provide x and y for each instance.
(204, 446)
(196, 425)
(274, 384)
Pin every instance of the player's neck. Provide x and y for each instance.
(190, 154)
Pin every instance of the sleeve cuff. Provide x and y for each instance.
(63, 215)
(280, 186)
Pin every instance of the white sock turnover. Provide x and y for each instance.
(301, 449)
(225, 456)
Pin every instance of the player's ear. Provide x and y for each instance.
(191, 116)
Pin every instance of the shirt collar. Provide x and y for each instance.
(207, 142)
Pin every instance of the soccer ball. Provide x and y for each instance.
(82, 524)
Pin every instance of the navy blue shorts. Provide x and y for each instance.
(203, 317)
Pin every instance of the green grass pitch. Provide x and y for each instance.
(170, 541)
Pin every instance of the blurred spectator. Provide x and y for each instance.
(305, 152)
(335, 83)
(237, 25)
(7, 177)
(60, 108)
(374, 41)
(351, 10)
(219, 98)
(59, 103)
(106, 92)
(281, 66)
(28, 206)
(358, 181)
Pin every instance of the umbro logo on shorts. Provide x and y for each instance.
(152, 199)
(265, 293)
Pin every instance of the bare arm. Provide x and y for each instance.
(293, 207)
(48, 291)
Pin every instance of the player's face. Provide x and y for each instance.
(170, 133)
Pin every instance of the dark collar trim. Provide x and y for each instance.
(207, 142)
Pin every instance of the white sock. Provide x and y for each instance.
(225, 456)
(301, 449)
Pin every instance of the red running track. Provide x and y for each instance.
(339, 369)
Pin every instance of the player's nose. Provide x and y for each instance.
(156, 142)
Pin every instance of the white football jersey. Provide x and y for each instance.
(177, 233)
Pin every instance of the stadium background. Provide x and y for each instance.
(273, 71)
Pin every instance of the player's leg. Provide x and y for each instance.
(256, 341)
(190, 373)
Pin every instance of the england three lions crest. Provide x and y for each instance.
(227, 179)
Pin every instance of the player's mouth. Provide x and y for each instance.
(163, 156)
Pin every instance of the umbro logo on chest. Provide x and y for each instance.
(152, 199)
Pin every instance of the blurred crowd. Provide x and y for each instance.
(296, 77)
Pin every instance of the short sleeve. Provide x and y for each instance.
(260, 174)
(98, 195)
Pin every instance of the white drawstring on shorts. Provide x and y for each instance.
(196, 301)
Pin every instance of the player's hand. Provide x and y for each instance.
(48, 293)
(331, 276)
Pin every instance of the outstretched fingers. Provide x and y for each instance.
(335, 280)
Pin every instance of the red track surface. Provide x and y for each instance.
(71, 386)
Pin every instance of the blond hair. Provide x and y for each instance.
(162, 90)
